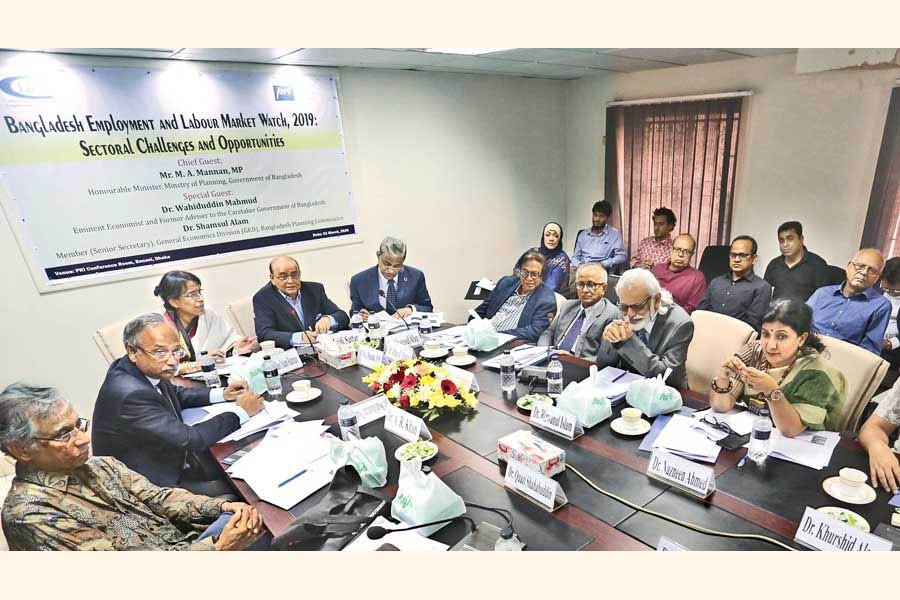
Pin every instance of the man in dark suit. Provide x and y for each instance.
(654, 334)
(392, 286)
(137, 417)
(289, 312)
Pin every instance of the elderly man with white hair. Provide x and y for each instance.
(655, 332)
(391, 285)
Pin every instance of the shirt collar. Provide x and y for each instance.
(751, 277)
(868, 294)
(288, 298)
(57, 481)
(601, 232)
(382, 280)
(153, 382)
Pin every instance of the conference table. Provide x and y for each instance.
(768, 500)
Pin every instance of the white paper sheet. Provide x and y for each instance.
(614, 382)
(680, 437)
(740, 421)
(811, 449)
(486, 284)
(273, 412)
(402, 540)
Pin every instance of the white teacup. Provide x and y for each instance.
(267, 345)
(432, 346)
(851, 482)
(631, 418)
(460, 352)
(302, 387)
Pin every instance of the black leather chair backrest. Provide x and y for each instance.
(714, 262)
(835, 275)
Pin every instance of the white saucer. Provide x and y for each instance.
(435, 354)
(294, 397)
(618, 425)
(463, 361)
(866, 497)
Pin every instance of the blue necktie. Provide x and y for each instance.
(392, 296)
(642, 335)
(568, 342)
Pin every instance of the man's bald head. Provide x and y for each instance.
(863, 270)
(282, 261)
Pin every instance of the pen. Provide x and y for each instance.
(743, 460)
(291, 478)
(620, 376)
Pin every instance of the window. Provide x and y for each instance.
(883, 216)
(678, 155)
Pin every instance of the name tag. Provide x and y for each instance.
(682, 473)
(405, 425)
(347, 338)
(462, 376)
(555, 420)
(396, 351)
(821, 532)
(667, 545)
(287, 361)
(534, 485)
(409, 338)
(369, 357)
(371, 410)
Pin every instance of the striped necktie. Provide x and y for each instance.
(568, 342)
(391, 295)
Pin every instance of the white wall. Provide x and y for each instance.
(808, 147)
(465, 168)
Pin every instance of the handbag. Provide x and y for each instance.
(345, 512)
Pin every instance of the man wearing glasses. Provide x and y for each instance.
(62, 499)
(390, 285)
(854, 311)
(137, 416)
(292, 313)
(740, 293)
(578, 327)
(686, 284)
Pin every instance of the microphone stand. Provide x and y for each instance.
(394, 308)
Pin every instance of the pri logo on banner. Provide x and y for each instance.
(28, 87)
(283, 93)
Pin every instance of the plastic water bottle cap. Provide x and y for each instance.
(266, 357)
(764, 412)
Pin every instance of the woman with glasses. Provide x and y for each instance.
(556, 274)
(521, 305)
(785, 371)
(198, 328)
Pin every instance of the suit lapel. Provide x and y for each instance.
(308, 302)
(657, 333)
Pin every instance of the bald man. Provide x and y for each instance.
(289, 311)
(854, 311)
(686, 284)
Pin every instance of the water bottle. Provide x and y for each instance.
(347, 420)
(507, 373)
(425, 326)
(208, 367)
(273, 379)
(554, 376)
(759, 437)
(508, 541)
(356, 322)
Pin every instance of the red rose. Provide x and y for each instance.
(395, 378)
(386, 386)
(448, 387)
(409, 381)
(404, 401)
(374, 386)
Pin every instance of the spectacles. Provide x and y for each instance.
(295, 275)
(717, 424)
(633, 307)
(682, 251)
(195, 295)
(861, 268)
(385, 265)
(739, 255)
(523, 274)
(66, 437)
(164, 354)
(892, 293)
(590, 286)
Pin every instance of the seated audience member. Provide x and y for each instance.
(875, 438)
(890, 287)
(785, 371)
(556, 276)
(291, 313)
(521, 305)
(654, 334)
(854, 311)
(137, 417)
(198, 328)
(797, 273)
(739, 293)
(657, 248)
(390, 284)
(686, 284)
(601, 243)
(580, 323)
(61, 499)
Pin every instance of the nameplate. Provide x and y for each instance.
(667, 545)
(555, 420)
(821, 532)
(411, 338)
(371, 410)
(462, 376)
(682, 473)
(536, 486)
(369, 357)
(405, 425)
(395, 351)
(346, 338)
(287, 361)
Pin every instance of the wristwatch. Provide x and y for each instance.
(776, 396)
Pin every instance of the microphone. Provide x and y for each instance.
(394, 308)
(376, 532)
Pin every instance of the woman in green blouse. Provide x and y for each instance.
(784, 370)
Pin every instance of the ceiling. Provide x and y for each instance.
(544, 63)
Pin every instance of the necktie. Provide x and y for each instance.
(568, 342)
(391, 296)
(642, 335)
(185, 463)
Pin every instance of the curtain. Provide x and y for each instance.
(883, 216)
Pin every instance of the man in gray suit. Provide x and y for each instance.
(655, 332)
(579, 325)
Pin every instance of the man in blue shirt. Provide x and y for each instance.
(854, 311)
(601, 243)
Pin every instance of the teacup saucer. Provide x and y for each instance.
(296, 398)
(439, 353)
(618, 425)
(831, 487)
(461, 361)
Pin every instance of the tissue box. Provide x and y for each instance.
(339, 359)
(532, 452)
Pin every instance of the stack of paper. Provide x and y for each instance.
(436, 318)
(393, 325)
(224, 368)
(273, 413)
(402, 540)
(810, 448)
(740, 421)
(679, 437)
(614, 383)
(524, 355)
(486, 284)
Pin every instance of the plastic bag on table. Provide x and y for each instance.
(585, 401)
(423, 498)
(366, 456)
(653, 397)
(480, 335)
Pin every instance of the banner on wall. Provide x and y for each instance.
(110, 170)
